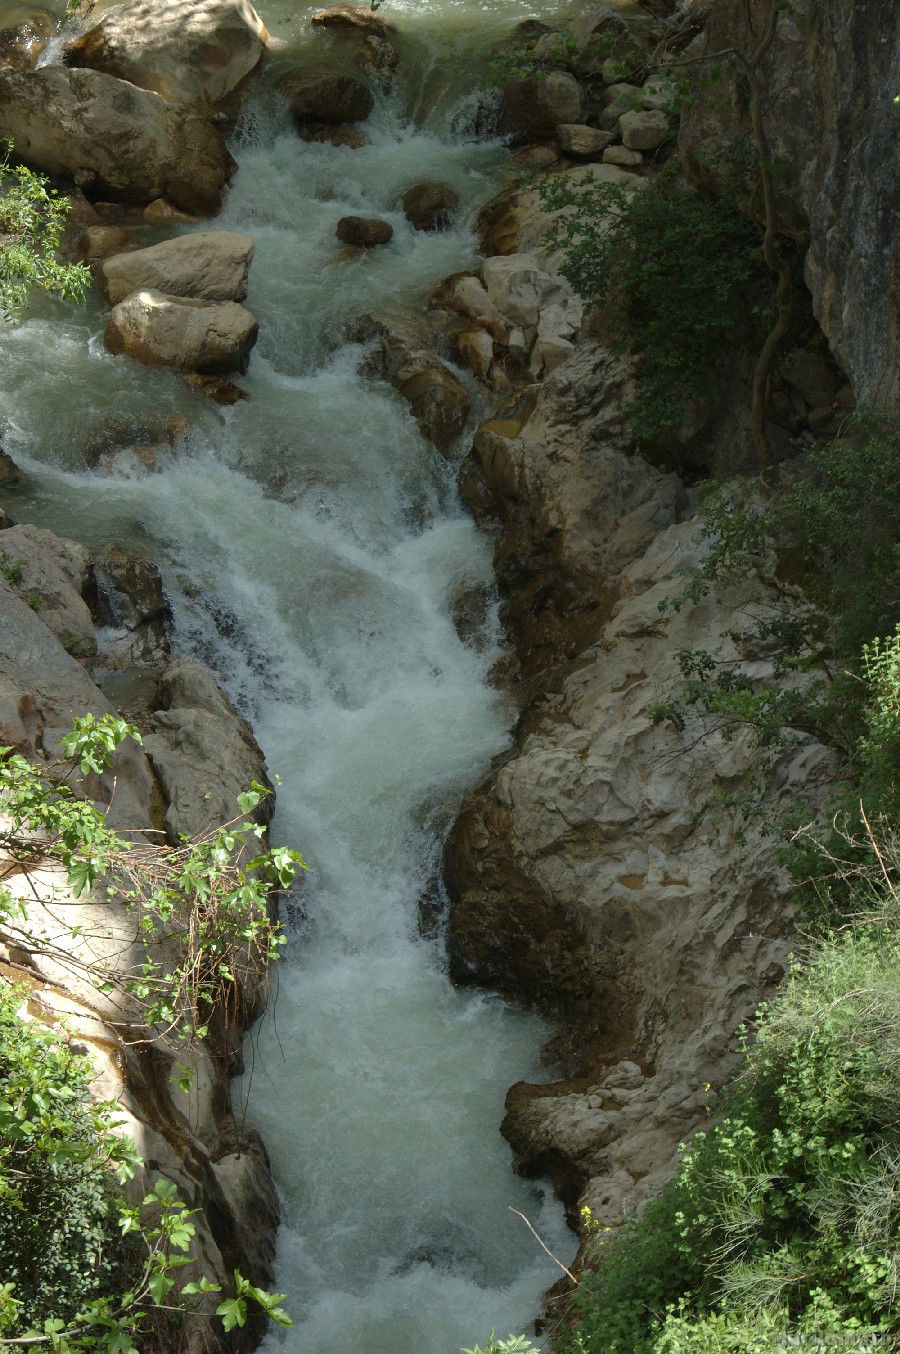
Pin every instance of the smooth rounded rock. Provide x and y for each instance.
(327, 96)
(363, 231)
(211, 337)
(189, 51)
(644, 129)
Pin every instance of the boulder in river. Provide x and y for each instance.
(334, 134)
(176, 331)
(364, 231)
(327, 96)
(113, 138)
(100, 242)
(187, 52)
(430, 205)
(212, 265)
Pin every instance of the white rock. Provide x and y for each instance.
(211, 265)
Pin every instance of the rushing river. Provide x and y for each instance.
(313, 545)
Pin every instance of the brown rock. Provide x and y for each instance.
(379, 59)
(430, 205)
(22, 44)
(644, 129)
(352, 19)
(211, 337)
(214, 387)
(363, 231)
(327, 96)
(100, 242)
(334, 134)
(161, 210)
(814, 376)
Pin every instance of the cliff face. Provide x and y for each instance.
(201, 753)
(829, 83)
(612, 870)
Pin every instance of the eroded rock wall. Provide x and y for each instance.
(197, 756)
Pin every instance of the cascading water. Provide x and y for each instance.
(312, 545)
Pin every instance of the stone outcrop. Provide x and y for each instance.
(537, 106)
(112, 138)
(210, 337)
(211, 265)
(187, 52)
(191, 1139)
(363, 231)
(836, 157)
(604, 872)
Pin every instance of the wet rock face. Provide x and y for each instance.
(363, 231)
(534, 107)
(327, 96)
(186, 51)
(430, 206)
(835, 183)
(114, 139)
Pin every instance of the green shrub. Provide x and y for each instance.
(32, 217)
(684, 269)
(59, 1220)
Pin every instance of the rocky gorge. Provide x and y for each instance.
(600, 870)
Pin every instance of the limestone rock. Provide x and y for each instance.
(467, 295)
(203, 752)
(129, 602)
(100, 242)
(475, 349)
(364, 231)
(51, 575)
(594, 873)
(210, 337)
(430, 205)
(121, 141)
(212, 265)
(327, 96)
(584, 143)
(646, 129)
(186, 51)
(215, 388)
(534, 107)
(620, 98)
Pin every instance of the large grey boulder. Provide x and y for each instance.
(112, 138)
(211, 265)
(186, 51)
(177, 331)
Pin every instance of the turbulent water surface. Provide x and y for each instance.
(313, 547)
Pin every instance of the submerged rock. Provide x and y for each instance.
(113, 138)
(22, 44)
(187, 52)
(210, 265)
(211, 337)
(353, 19)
